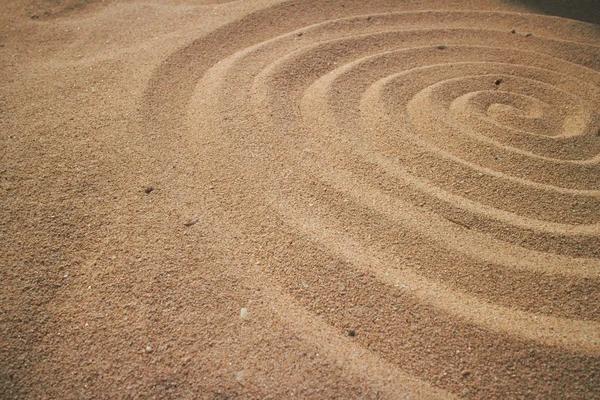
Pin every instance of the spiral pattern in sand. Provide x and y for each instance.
(439, 170)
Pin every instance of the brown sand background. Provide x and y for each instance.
(403, 195)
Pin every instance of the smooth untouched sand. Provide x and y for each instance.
(404, 196)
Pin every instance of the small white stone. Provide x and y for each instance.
(244, 313)
(239, 376)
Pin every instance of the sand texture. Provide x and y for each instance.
(299, 199)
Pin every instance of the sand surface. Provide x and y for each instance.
(301, 199)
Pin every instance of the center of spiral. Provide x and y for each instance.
(504, 109)
(511, 110)
(513, 106)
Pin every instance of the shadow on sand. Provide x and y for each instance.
(582, 10)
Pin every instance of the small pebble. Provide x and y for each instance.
(499, 81)
(351, 333)
(244, 313)
(149, 349)
(149, 189)
(191, 222)
(299, 34)
(239, 376)
(441, 47)
(513, 31)
(466, 373)
(529, 35)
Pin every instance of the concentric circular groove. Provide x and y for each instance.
(576, 335)
(434, 149)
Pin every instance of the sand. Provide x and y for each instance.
(301, 199)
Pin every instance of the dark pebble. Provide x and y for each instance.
(441, 47)
(513, 31)
(149, 189)
(499, 81)
(351, 333)
(529, 35)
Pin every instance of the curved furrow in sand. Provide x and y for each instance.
(365, 131)
(262, 88)
(468, 243)
(590, 203)
(574, 335)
